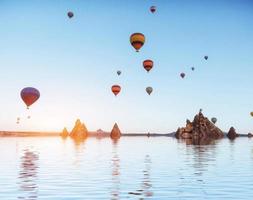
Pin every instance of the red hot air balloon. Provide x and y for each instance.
(29, 95)
(116, 89)
(148, 65)
(182, 75)
(70, 14)
(153, 9)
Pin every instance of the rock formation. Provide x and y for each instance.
(115, 133)
(199, 130)
(232, 133)
(79, 130)
(64, 133)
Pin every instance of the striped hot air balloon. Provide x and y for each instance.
(116, 89)
(148, 65)
(137, 40)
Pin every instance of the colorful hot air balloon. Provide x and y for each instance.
(118, 72)
(149, 90)
(116, 89)
(193, 68)
(137, 40)
(206, 57)
(214, 120)
(29, 95)
(153, 9)
(148, 65)
(182, 75)
(70, 14)
(251, 113)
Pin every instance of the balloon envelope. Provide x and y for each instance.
(251, 114)
(116, 89)
(182, 75)
(149, 90)
(137, 40)
(193, 68)
(148, 65)
(70, 14)
(214, 120)
(118, 72)
(206, 57)
(29, 95)
(153, 9)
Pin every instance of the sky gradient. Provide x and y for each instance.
(73, 62)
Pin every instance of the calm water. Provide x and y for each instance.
(133, 168)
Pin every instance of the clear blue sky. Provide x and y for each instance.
(73, 62)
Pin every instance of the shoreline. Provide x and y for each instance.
(91, 134)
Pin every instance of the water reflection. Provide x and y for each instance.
(79, 144)
(146, 185)
(115, 165)
(28, 175)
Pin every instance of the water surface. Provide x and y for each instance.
(132, 168)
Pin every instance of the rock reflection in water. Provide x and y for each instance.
(115, 165)
(28, 175)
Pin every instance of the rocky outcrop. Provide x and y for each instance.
(232, 133)
(64, 133)
(79, 130)
(115, 133)
(200, 129)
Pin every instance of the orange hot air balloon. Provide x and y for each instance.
(116, 89)
(148, 65)
(137, 40)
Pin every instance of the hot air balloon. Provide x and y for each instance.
(28, 117)
(18, 118)
(214, 120)
(251, 113)
(148, 65)
(206, 57)
(182, 75)
(116, 89)
(153, 9)
(118, 72)
(70, 14)
(193, 68)
(137, 40)
(149, 90)
(29, 95)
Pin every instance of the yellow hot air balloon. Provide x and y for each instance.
(137, 40)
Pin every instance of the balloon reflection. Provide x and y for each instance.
(146, 185)
(28, 175)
